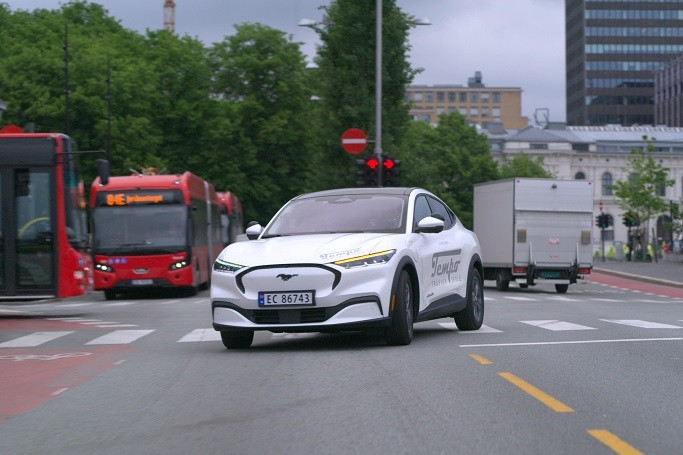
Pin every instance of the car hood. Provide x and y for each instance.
(315, 248)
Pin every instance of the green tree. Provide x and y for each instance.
(640, 191)
(346, 82)
(447, 160)
(523, 165)
(261, 74)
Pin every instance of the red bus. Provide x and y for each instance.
(232, 218)
(43, 238)
(153, 231)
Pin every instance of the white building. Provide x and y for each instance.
(599, 154)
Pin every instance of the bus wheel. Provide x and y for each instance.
(109, 294)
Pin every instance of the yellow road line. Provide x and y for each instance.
(540, 395)
(614, 442)
(480, 359)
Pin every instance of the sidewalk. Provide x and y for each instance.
(667, 273)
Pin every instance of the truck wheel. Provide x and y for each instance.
(501, 283)
(237, 340)
(400, 332)
(109, 294)
(561, 288)
(472, 317)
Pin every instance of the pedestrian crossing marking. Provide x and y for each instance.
(34, 339)
(557, 326)
(120, 337)
(201, 335)
(116, 326)
(483, 329)
(642, 324)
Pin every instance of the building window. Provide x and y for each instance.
(451, 97)
(538, 146)
(485, 97)
(429, 97)
(662, 189)
(417, 96)
(580, 176)
(496, 97)
(463, 110)
(463, 97)
(580, 147)
(474, 112)
(440, 97)
(474, 97)
(485, 111)
(440, 110)
(425, 118)
(496, 112)
(606, 184)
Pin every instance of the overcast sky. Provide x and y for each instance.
(514, 43)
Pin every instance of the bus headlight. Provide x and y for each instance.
(104, 268)
(178, 265)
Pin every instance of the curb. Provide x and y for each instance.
(647, 279)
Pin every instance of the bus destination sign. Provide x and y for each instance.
(124, 198)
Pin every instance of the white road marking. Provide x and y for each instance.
(57, 392)
(564, 299)
(607, 300)
(98, 322)
(2, 310)
(169, 301)
(511, 297)
(32, 340)
(556, 326)
(545, 343)
(117, 326)
(79, 320)
(483, 329)
(201, 335)
(67, 305)
(650, 301)
(642, 324)
(120, 337)
(132, 302)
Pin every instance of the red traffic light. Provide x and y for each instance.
(388, 163)
(372, 163)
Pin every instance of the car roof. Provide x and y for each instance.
(400, 191)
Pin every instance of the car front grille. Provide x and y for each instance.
(289, 316)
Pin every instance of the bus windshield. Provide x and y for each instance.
(148, 229)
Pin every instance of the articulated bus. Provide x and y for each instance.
(43, 238)
(232, 218)
(153, 231)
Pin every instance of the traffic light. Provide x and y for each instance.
(392, 171)
(604, 220)
(367, 172)
(631, 219)
(598, 221)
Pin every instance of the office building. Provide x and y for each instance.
(669, 93)
(480, 104)
(613, 48)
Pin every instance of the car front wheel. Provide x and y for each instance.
(400, 332)
(472, 317)
(237, 340)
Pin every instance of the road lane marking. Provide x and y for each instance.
(607, 300)
(68, 305)
(169, 301)
(564, 299)
(557, 326)
(57, 392)
(512, 297)
(117, 326)
(32, 340)
(546, 343)
(201, 335)
(120, 303)
(120, 337)
(615, 443)
(642, 324)
(480, 359)
(553, 403)
(99, 322)
(483, 329)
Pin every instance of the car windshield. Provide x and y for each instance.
(340, 213)
(140, 229)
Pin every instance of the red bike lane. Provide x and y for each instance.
(635, 285)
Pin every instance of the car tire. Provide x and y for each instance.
(561, 288)
(501, 283)
(109, 294)
(523, 285)
(237, 340)
(472, 317)
(400, 332)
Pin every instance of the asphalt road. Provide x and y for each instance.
(595, 371)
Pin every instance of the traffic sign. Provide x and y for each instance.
(354, 140)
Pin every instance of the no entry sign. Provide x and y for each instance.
(354, 140)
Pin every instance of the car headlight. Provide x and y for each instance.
(225, 266)
(367, 259)
(178, 265)
(104, 268)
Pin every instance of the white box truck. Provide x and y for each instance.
(535, 231)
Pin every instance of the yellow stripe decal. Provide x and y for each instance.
(614, 442)
(366, 256)
(480, 359)
(540, 395)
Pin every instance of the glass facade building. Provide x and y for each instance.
(613, 49)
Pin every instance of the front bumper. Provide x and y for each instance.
(345, 299)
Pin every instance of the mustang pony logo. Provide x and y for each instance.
(286, 277)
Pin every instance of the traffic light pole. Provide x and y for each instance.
(378, 91)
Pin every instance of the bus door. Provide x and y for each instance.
(27, 232)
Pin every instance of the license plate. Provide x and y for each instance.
(286, 298)
(141, 282)
(550, 274)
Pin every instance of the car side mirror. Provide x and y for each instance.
(430, 224)
(254, 229)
